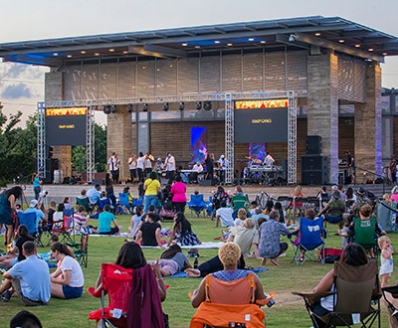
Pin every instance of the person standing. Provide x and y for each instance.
(151, 187)
(8, 210)
(209, 162)
(179, 200)
(222, 165)
(132, 167)
(170, 166)
(148, 163)
(140, 165)
(113, 166)
(351, 166)
(393, 169)
(36, 185)
(30, 279)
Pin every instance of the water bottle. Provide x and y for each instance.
(269, 299)
(195, 262)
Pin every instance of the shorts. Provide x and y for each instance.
(16, 284)
(72, 292)
(6, 219)
(169, 265)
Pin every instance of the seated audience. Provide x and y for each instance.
(149, 232)
(135, 221)
(219, 283)
(94, 195)
(39, 213)
(334, 209)
(67, 204)
(58, 217)
(80, 220)
(224, 214)
(68, 280)
(25, 319)
(242, 216)
(246, 236)
(83, 200)
(238, 200)
(30, 279)
(257, 214)
(270, 246)
(104, 222)
(182, 232)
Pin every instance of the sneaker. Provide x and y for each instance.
(6, 296)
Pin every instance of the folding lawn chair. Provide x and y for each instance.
(124, 202)
(390, 295)
(365, 233)
(357, 288)
(309, 244)
(81, 250)
(63, 230)
(197, 205)
(29, 220)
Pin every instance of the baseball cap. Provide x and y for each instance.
(33, 203)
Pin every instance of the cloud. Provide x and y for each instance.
(15, 71)
(16, 91)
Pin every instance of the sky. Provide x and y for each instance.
(22, 86)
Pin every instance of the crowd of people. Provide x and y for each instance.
(251, 232)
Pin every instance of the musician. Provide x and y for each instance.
(113, 166)
(198, 168)
(140, 166)
(351, 165)
(133, 167)
(159, 167)
(170, 166)
(148, 163)
(222, 164)
(268, 160)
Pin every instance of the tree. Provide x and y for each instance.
(79, 152)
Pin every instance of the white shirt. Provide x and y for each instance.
(269, 160)
(226, 218)
(170, 163)
(140, 162)
(132, 163)
(76, 273)
(198, 168)
(223, 163)
(113, 163)
(147, 163)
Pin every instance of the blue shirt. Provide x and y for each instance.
(36, 182)
(34, 277)
(39, 215)
(104, 221)
(94, 195)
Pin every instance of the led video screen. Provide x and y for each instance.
(261, 125)
(66, 126)
(198, 144)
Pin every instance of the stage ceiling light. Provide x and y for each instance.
(166, 106)
(181, 106)
(198, 105)
(130, 108)
(113, 109)
(107, 109)
(144, 107)
(207, 105)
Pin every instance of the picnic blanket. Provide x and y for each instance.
(209, 244)
(184, 275)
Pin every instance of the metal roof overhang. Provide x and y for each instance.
(312, 33)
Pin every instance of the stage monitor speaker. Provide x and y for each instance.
(319, 163)
(317, 178)
(313, 145)
(206, 183)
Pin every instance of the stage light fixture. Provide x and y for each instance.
(130, 108)
(144, 107)
(107, 109)
(198, 105)
(207, 105)
(166, 106)
(113, 109)
(181, 106)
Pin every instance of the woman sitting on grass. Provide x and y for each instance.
(68, 280)
(182, 232)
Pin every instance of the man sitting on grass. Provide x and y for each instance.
(30, 279)
(104, 222)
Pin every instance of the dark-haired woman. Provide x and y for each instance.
(355, 256)
(110, 194)
(16, 255)
(173, 261)
(68, 280)
(8, 211)
(178, 190)
(182, 232)
(151, 187)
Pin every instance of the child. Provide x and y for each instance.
(242, 216)
(386, 261)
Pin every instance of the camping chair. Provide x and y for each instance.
(63, 230)
(29, 220)
(116, 281)
(197, 205)
(309, 242)
(357, 288)
(390, 295)
(365, 233)
(81, 250)
(84, 202)
(124, 202)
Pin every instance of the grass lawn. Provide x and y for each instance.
(287, 312)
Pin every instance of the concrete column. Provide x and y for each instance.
(119, 138)
(323, 114)
(368, 125)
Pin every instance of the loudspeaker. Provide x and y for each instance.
(313, 145)
(314, 178)
(309, 163)
(51, 165)
(206, 183)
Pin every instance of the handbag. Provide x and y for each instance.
(166, 213)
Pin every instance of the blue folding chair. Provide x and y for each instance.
(103, 202)
(29, 220)
(309, 243)
(124, 201)
(197, 204)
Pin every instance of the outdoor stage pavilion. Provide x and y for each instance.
(324, 71)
